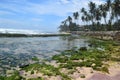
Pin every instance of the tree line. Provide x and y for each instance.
(103, 17)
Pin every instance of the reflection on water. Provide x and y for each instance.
(39, 45)
(15, 51)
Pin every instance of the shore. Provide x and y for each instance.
(104, 35)
(75, 68)
(98, 62)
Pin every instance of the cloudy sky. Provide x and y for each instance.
(42, 15)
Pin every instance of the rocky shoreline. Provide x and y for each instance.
(104, 35)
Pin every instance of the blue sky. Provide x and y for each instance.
(42, 15)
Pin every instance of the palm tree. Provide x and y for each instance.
(116, 8)
(92, 7)
(82, 10)
(64, 26)
(69, 19)
(76, 15)
(83, 19)
(86, 17)
(103, 12)
(108, 5)
(98, 18)
(117, 12)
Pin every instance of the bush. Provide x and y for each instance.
(1, 78)
(32, 72)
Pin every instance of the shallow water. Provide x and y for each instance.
(39, 45)
(17, 51)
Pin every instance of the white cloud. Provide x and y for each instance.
(61, 8)
(54, 7)
(98, 2)
(33, 23)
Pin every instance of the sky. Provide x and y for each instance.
(42, 15)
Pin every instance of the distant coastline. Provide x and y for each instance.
(32, 35)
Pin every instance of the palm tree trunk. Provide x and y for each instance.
(106, 24)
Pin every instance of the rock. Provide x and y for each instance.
(99, 76)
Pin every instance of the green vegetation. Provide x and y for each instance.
(92, 18)
(105, 69)
(35, 59)
(15, 76)
(93, 57)
(32, 72)
(12, 35)
(82, 76)
(46, 70)
(32, 35)
(39, 78)
(96, 57)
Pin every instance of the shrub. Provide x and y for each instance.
(32, 72)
